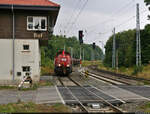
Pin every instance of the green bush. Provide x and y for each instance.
(47, 67)
(122, 69)
(137, 70)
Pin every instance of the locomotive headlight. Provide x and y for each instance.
(68, 65)
(59, 65)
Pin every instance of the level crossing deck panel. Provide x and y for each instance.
(121, 93)
(140, 90)
(83, 95)
(66, 95)
(47, 95)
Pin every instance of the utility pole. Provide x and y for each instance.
(117, 61)
(81, 42)
(114, 51)
(93, 51)
(13, 27)
(71, 52)
(103, 50)
(92, 55)
(83, 54)
(80, 56)
(138, 40)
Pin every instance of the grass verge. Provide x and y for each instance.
(145, 107)
(88, 63)
(7, 87)
(45, 83)
(34, 86)
(31, 107)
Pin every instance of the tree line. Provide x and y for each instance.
(57, 43)
(126, 48)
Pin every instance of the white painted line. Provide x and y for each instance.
(108, 95)
(60, 95)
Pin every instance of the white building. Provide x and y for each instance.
(24, 27)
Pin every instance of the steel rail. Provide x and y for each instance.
(106, 79)
(60, 81)
(83, 108)
(74, 81)
(119, 75)
(116, 109)
(103, 79)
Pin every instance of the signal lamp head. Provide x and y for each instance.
(81, 36)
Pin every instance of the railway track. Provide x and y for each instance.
(109, 80)
(84, 109)
(123, 76)
(61, 82)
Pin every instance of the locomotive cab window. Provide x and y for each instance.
(36, 23)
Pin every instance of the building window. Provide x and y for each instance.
(26, 68)
(30, 23)
(18, 73)
(26, 47)
(36, 23)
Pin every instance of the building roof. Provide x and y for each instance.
(29, 3)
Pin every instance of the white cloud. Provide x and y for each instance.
(96, 13)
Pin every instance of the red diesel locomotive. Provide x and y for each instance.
(63, 63)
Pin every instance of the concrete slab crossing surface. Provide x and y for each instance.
(122, 94)
(112, 94)
(66, 95)
(140, 90)
(54, 94)
(12, 96)
(48, 95)
(84, 96)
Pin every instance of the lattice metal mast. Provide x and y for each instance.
(138, 40)
(114, 51)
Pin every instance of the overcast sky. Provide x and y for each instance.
(98, 18)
